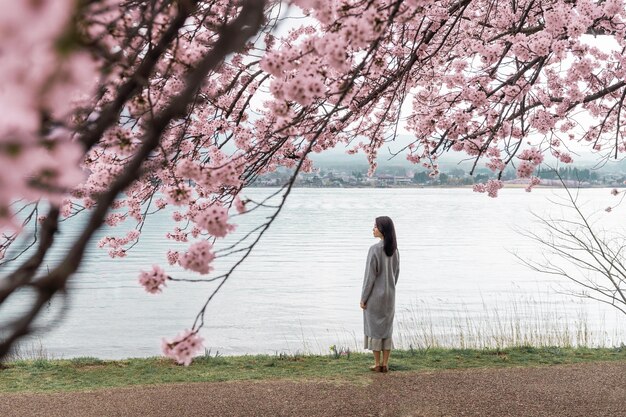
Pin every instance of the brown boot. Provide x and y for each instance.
(384, 369)
(376, 368)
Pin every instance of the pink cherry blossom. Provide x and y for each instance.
(214, 219)
(491, 188)
(153, 281)
(183, 347)
(525, 169)
(178, 235)
(240, 205)
(172, 257)
(160, 203)
(533, 182)
(179, 194)
(198, 257)
(566, 158)
(532, 155)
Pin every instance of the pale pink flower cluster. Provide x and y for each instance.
(152, 281)
(115, 244)
(36, 81)
(304, 87)
(179, 194)
(613, 7)
(540, 43)
(240, 205)
(525, 169)
(186, 168)
(491, 188)
(476, 97)
(160, 203)
(113, 219)
(212, 218)
(304, 73)
(533, 155)
(117, 253)
(470, 147)
(565, 158)
(178, 235)
(66, 207)
(195, 231)
(54, 168)
(172, 257)
(322, 10)
(543, 121)
(34, 76)
(496, 164)
(413, 158)
(183, 347)
(533, 182)
(102, 173)
(360, 30)
(530, 159)
(274, 63)
(177, 216)
(211, 176)
(198, 257)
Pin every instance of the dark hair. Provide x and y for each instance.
(385, 226)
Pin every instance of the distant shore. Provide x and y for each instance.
(420, 186)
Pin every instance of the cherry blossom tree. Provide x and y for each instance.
(135, 106)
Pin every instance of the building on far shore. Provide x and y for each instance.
(456, 177)
(385, 179)
(551, 182)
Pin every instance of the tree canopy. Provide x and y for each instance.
(139, 105)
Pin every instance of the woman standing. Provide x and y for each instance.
(378, 299)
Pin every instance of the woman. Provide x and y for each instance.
(378, 299)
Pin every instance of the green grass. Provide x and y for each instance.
(80, 374)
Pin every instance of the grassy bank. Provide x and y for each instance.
(91, 373)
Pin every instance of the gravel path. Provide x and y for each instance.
(586, 390)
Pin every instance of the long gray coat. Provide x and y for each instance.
(379, 291)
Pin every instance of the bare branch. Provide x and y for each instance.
(579, 245)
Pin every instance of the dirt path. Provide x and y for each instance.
(586, 390)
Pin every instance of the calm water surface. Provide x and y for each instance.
(299, 290)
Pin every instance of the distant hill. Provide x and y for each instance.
(338, 158)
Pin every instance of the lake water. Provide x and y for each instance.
(299, 290)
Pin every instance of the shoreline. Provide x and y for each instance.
(417, 186)
(82, 374)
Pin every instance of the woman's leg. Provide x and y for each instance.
(386, 354)
(377, 357)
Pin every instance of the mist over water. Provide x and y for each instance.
(299, 290)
